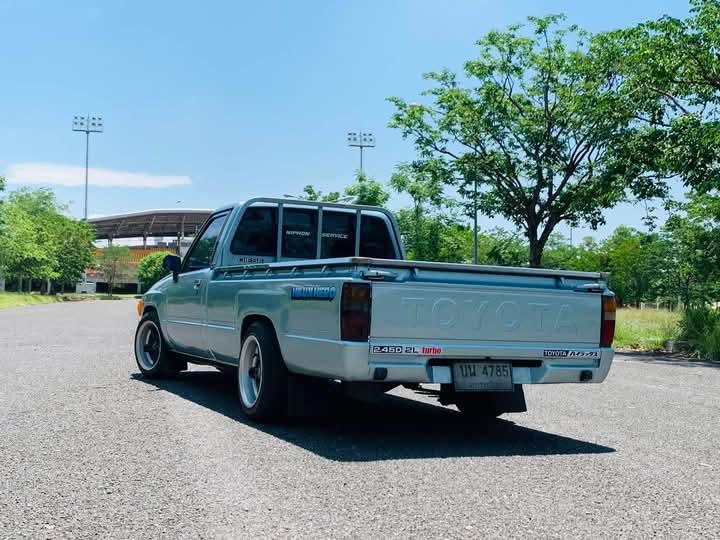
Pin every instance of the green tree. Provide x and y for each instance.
(585, 256)
(536, 121)
(2, 232)
(367, 191)
(150, 269)
(671, 71)
(312, 194)
(690, 268)
(631, 260)
(114, 264)
(28, 243)
(75, 250)
(426, 191)
(499, 247)
(38, 241)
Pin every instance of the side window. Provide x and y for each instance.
(338, 235)
(375, 240)
(256, 234)
(299, 233)
(202, 252)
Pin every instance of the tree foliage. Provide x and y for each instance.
(367, 191)
(670, 70)
(38, 241)
(312, 194)
(115, 265)
(150, 269)
(537, 121)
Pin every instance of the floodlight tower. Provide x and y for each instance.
(361, 140)
(88, 124)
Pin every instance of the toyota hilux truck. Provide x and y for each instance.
(276, 290)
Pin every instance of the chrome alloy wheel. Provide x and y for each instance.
(148, 345)
(250, 371)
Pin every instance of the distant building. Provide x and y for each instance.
(168, 229)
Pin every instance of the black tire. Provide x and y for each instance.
(262, 379)
(152, 355)
(477, 406)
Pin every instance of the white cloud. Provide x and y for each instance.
(66, 175)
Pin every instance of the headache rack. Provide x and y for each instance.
(321, 206)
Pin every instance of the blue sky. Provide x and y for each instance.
(227, 100)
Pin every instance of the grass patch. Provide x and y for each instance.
(645, 329)
(14, 299)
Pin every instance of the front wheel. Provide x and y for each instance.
(152, 355)
(262, 375)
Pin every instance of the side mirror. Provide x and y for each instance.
(172, 263)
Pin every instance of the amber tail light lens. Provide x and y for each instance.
(607, 330)
(355, 311)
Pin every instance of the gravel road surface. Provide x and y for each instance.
(87, 448)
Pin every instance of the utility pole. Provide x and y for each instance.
(475, 213)
(88, 124)
(361, 140)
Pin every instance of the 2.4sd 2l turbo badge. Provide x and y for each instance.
(406, 349)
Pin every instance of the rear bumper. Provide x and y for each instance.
(355, 362)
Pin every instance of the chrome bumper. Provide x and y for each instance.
(347, 361)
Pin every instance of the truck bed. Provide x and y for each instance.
(427, 314)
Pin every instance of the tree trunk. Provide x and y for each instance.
(536, 252)
(20, 284)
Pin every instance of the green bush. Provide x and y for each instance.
(150, 269)
(700, 327)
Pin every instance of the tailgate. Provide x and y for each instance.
(481, 313)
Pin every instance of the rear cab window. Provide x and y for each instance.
(255, 238)
(299, 234)
(338, 234)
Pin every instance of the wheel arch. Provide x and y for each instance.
(256, 317)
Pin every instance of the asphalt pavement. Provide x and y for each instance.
(88, 448)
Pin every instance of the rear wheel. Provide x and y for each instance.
(262, 375)
(152, 355)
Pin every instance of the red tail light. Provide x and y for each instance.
(607, 330)
(355, 311)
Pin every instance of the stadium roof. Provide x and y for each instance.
(150, 223)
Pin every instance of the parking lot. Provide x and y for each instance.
(88, 448)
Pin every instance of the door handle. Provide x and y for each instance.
(197, 283)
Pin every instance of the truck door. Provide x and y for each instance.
(185, 310)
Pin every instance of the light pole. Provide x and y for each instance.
(88, 124)
(361, 140)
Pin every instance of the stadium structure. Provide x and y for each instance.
(144, 233)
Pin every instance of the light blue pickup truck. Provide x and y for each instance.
(281, 290)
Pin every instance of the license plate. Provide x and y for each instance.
(482, 376)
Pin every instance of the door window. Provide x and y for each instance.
(201, 254)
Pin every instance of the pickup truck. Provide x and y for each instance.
(280, 289)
